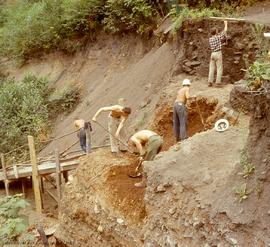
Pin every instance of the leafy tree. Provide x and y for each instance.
(23, 110)
(12, 223)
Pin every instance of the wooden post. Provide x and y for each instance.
(41, 184)
(23, 187)
(65, 175)
(35, 176)
(5, 174)
(58, 175)
(88, 137)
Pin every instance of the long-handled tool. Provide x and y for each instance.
(113, 136)
(201, 117)
(136, 173)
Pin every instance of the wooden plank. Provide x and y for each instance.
(58, 175)
(15, 169)
(23, 187)
(35, 175)
(88, 137)
(267, 35)
(227, 18)
(52, 195)
(5, 177)
(43, 169)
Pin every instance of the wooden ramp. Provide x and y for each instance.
(43, 169)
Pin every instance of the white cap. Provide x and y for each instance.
(186, 82)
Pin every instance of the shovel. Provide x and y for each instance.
(136, 173)
(198, 108)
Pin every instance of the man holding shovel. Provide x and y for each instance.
(148, 144)
(118, 115)
(180, 111)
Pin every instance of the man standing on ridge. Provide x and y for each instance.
(180, 111)
(215, 42)
(116, 123)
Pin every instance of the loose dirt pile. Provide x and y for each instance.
(102, 207)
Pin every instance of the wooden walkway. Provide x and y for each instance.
(43, 169)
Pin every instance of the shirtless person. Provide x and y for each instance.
(117, 118)
(79, 125)
(180, 112)
(148, 144)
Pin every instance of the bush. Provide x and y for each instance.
(188, 14)
(12, 224)
(23, 110)
(128, 15)
(258, 73)
(27, 107)
(32, 27)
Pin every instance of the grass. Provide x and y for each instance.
(248, 167)
(242, 192)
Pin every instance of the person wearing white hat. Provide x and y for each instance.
(180, 112)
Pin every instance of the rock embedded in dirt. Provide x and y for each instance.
(232, 241)
(120, 221)
(160, 188)
(100, 228)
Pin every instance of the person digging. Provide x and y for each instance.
(118, 114)
(148, 144)
(180, 111)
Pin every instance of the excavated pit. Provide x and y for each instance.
(201, 116)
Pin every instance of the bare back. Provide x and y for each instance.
(183, 95)
(117, 113)
(144, 135)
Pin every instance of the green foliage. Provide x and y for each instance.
(42, 25)
(23, 110)
(242, 192)
(12, 223)
(258, 73)
(65, 100)
(27, 107)
(191, 14)
(128, 15)
(248, 168)
(30, 28)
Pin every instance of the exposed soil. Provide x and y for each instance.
(124, 196)
(189, 199)
(200, 110)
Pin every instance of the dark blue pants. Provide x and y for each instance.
(180, 121)
(82, 137)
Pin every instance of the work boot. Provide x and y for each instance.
(219, 85)
(210, 84)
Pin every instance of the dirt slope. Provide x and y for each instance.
(108, 69)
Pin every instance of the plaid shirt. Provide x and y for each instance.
(215, 41)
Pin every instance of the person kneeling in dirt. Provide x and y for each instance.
(116, 123)
(180, 112)
(148, 144)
